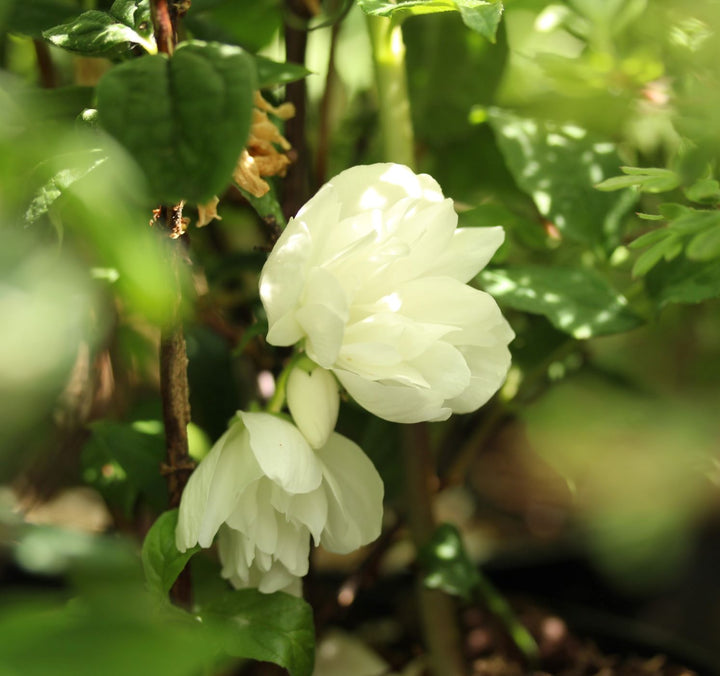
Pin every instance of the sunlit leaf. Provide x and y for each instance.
(559, 165)
(446, 564)
(576, 301)
(270, 73)
(96, 33)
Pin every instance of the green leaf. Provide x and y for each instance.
(162, 562)
(267, 207)
(668, 248)
(185, 119)
(479, 15)
(575, 300)
(135, 13)
(684, 281)
(122, 461)
(705, 246)
(270, 73)
(446, 563)
(271, 627)
(482, 17)
(559, 167)
(704, 190)
(56, 186)
(96, 33)
(694, 221)
(652, 237)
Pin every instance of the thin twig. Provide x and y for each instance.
(46, 68)
(173, 351)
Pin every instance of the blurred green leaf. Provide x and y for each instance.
(161, 559)
(576, 301)
(58, 184)
(271, 73)
(33, 17)
(703, 190)
(648, 179)
(122, 461)
(683, 281)
(482, 17)
(446, 564)
(271, 627)
(668, 248)
(184, 119)
(96, 33)
(559, 167)
(706, 245)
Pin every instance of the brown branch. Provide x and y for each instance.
(173, 352)
(437, 609)
(164, 18)
(324, 126)
(296, 186)
(45, 65)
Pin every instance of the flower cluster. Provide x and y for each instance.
(370, 281)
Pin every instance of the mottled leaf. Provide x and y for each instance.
(575, 300)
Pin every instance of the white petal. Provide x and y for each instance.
(488, 367)
(444, 368)
(322, 316)
(314, 401)
(282, 452)
(306, 509)
(355, 496)
(214, 488)
(281, 282)
(392, 401)
(379, 186)
(469, 251)
(293, 549)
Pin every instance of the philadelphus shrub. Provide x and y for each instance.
(267, 491)
(371, 277)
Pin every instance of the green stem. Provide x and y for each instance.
(388, 50)
(277, 401)
(498, 606)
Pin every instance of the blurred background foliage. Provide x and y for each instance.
(602, 448)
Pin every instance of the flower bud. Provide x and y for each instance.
(313, 401)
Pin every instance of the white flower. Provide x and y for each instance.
(314, 403)
(267, 492)
(372, 274)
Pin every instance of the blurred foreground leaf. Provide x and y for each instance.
(122, 461)
(575, 300)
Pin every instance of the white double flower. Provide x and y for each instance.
(267, 491)
(372, 276)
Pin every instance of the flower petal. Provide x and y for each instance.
(488, 369)
(214, 488)
(355, 496)
(468, 252)
(392, 401)
(282, 452)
